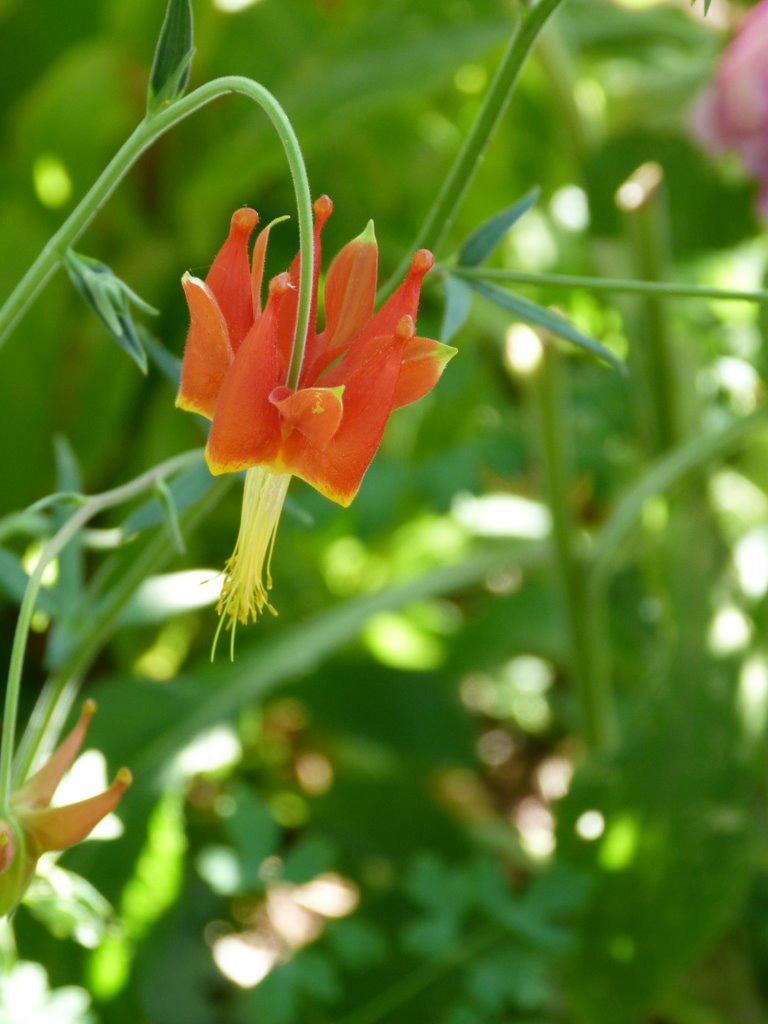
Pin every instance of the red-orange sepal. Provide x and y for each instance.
(258, 260)
(207, 353)
(423, 363)
(323, 208)
(230, 276)
(350, 293)
(316, 412)
(403, 302)
(246, 426)
(338, 470)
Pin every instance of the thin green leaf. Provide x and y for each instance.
(70, 580)
(173, 56)
(530, 313)
(481, 243)
(185, 489)
(26, 523)
(458, 302)
(171, 515)
(14, 579)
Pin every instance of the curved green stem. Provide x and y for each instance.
(145, 135)
(79, 518)
(440, 217)
(625, 286)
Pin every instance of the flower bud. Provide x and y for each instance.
(34, 827)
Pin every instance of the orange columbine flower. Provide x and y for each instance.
(33, 827)
(360, 367)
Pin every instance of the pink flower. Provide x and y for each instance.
(733, 112)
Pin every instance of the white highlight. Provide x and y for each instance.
(570, 208)
(730, 631)
(233, 6)
(215, 749)
(750, 557)
(590, 825)
(523, 349)
(501, 515)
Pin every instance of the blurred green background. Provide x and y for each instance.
(384, 811)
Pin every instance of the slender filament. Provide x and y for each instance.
(245, 593)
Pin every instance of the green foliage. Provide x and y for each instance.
(384, 810)
(110, 299)
(531, 313)
(482, 242)
(173, 56)
(476, 250)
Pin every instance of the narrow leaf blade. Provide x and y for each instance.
(531, 313)
(70, 582)
(167, 363)
(481, 243)
(171, 514)
(186, 489)
(458, 301)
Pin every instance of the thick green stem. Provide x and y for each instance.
(642, 201)
(78, 519)
(595, 697)
(440, 217)
(145, 135)
(619, 285)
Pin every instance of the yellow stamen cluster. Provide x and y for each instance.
(245, 593)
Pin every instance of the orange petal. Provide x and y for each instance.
(230, 277)
(350, 293)
(56, 828)
(316, 412)
(207, 354)
(323, 208)
(423, 363)
(38, 790)
(337, 471)
(246, 426)
(257, 264)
